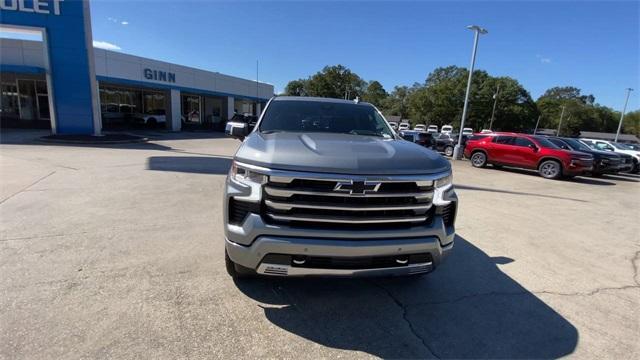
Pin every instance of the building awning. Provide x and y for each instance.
(21, 69)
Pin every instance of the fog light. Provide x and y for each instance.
(299, 259)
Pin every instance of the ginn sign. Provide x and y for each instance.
(159, 75)
(37, 6)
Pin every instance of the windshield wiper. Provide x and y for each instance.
(365, 133)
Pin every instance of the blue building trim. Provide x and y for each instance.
(66, 30)
(21, 69)
(119, 81)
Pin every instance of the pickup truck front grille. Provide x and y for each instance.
(347, 202)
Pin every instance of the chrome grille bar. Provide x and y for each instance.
(347, 220)
(288, 206)
(290, 192)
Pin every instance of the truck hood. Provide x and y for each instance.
(339, 154)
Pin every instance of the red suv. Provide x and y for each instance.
(526, 151)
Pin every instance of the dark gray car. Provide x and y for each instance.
(326, 187)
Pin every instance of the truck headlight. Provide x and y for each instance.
(441, 186)
(246, 176)
(444, 182)
(250, 180)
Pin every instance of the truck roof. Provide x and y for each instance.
(317, 99)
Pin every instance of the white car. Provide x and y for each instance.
(154, 117)
(420, 127)
(432, 129)
(615, 147)
(486, 131)
(467, 131)
(446, 129)
(394, 125)
(404, 126)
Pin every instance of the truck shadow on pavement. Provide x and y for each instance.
(467, 308)
(216, 165)
(510, 192)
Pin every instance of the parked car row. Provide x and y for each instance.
(552, 157)
(431, 129)
(441, 142)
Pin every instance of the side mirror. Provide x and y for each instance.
(237, 130)
(533, 147)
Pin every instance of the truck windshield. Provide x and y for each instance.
(327, 117)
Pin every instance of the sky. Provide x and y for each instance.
(594, 46)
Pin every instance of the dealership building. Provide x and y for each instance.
(63, 83)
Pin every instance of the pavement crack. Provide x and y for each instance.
(636, 258)
(525, 292)
(27, 187)
(405, 316)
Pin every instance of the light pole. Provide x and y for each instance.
(560, 123)
(537, 123)
(629, 90)
(457, 153)
(495, 101)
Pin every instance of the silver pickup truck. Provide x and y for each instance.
(325, 187)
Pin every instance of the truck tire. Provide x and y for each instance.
(236, 271)
(550, 169)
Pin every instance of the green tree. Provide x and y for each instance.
(397, 102)
(440, 100)
(296, 88)
(332, 82)
(631, 123)
(568, 93)
(581, 113)
(375, 94)
(335, 82)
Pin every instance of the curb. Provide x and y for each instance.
(89, 141)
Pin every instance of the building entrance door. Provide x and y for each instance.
(27, 99)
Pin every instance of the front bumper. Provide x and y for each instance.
(251, 242)
(252, 256)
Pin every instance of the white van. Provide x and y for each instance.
(446, 129)
(432, 129)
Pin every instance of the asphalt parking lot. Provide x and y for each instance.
(117, 251)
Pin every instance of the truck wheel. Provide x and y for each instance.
(550, 169)
(448, 151)
(479, 159)
(234, 270)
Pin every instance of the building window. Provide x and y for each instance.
(42, 95)
(124, 107)
(9, 100)
(244, 107)
(191, 109)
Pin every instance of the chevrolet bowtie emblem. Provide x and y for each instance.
(357, 187)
